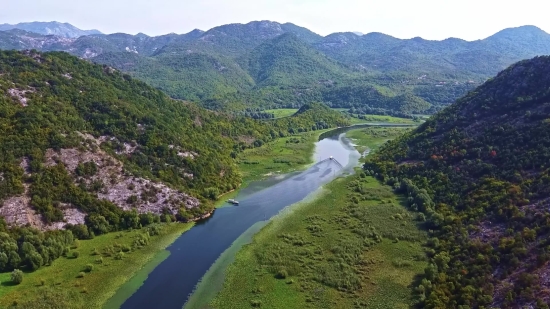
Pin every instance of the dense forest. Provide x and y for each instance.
(57, 110)
(479, 172)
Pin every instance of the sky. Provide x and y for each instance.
(429, 19)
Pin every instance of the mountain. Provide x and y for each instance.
(265, 64)
(479, 172)
(286, 60)
(50, 28)
(234, 40)
(450, 57)
(192, 76)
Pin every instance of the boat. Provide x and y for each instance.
(232, 201)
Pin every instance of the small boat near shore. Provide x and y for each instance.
(232, 201)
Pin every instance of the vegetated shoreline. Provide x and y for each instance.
(308, 157)
(99, 286)
(247, 255)
(213, 280)
(128, 288)
(125, 290)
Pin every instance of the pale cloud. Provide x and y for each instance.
(430, 19)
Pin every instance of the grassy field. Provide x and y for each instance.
(354, 246)
(282, 112)
(372, 138)
(281, 156)
(96, 287)
(379, 118)
(286, 112)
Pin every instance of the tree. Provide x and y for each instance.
(17, 276)
(34, 260)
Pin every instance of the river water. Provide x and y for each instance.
(192, 254)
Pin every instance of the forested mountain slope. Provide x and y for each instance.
(56, 108)
(480, 172)
(286, 61)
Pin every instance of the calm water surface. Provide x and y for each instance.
(192, 254)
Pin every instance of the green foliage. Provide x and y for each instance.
(329, 252)
(17, 276)
(86, 169)
(479, 172)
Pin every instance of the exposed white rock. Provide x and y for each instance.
(20, 95)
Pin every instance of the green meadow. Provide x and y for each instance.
(354, 245)
(282, 112)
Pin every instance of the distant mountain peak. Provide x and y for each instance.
(50, 28)
(519, 31)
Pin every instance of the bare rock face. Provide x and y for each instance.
(117, 186)
(124, 190)
(17, 211)
(20, 95)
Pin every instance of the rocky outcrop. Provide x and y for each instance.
(118, 186)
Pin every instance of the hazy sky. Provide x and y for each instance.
(430, 19)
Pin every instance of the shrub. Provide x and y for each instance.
(88, 268)
(256, 303)
(282, 274)
(132, 199)
(76, 254)
(17, 276)
(76, 244)
(81, 274)
(119, 256)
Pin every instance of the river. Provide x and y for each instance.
(192, 254)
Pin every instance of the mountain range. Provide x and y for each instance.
(267, 64)
(50, 28)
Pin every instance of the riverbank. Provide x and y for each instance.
(109, 274)
(292, 262)
(282, 156)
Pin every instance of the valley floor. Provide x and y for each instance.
(308, 247)
(353, 246)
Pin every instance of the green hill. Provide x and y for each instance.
(479, 171)
(193, 76)
(286, 61)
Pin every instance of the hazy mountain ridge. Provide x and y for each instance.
(50, 28)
